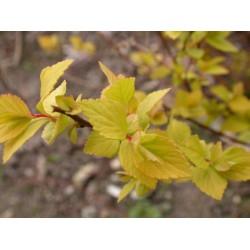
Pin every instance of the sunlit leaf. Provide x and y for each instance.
(122, 91)
(235, 124)
(49, 43)
(112, 78)
(162, 159)
(239, 160)
(108, 117)
(220, 43)
(14, 117)
(128, 158)
(148, 103)
(127, 188)
(11, 146)
(72, 133)
(50, 75)
(101, 146)
(209, 182)
(50, 100)
(196, 152)
(172, 34)
(178, 131)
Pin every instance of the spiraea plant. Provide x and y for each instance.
(121, 121)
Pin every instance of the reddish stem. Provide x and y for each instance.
(39, 115)
(43, 116)
(129, 137)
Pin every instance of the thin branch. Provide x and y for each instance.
(18, 48)
(110, 42)
(81, 122)
(214, 132)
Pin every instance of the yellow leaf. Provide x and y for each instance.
(217, 158)
(50, 75)
(76, 41)
(133, 124)
(14, 117)
(141, 189)
(53, 129)
(196, 151)
(209, 182)
(122, 91)
(178, 131)
(48, 131)
(72, 133)
(11, 146)
(239, 104)
(222, 92)
(239, 160)
(127, 188)
(13, 128)
(149, 102)
(161, 158)
(108, 117)
(14, 106)
(101, 146)
(50, 100)
(128, 158)
(236, 124)
(49, 43)
(172, 34)
(112, 78)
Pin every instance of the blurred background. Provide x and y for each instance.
(60, 180)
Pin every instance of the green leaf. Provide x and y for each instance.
(159, 72)
(220, 43)
(196, 151)
(108, 117)
(11, 146)
(178, 131)
(127, 188)
(148, 103)
(141, 189)
(112, 78)
(222, 92)
(50, 75)
(129, 160)
(239, 104)
(161, 158)
(195, 53)
(122, 91)
(209, 182)
(101, 146)
(216, 70)
(235, 124)
(50, 100)
(197, 36)
(72, 133)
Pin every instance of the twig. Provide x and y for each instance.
(81, 122)
(214, 132)
(110, 42)
(18, 48)
(166, 46)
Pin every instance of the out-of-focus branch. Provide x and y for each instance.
(227, 138)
